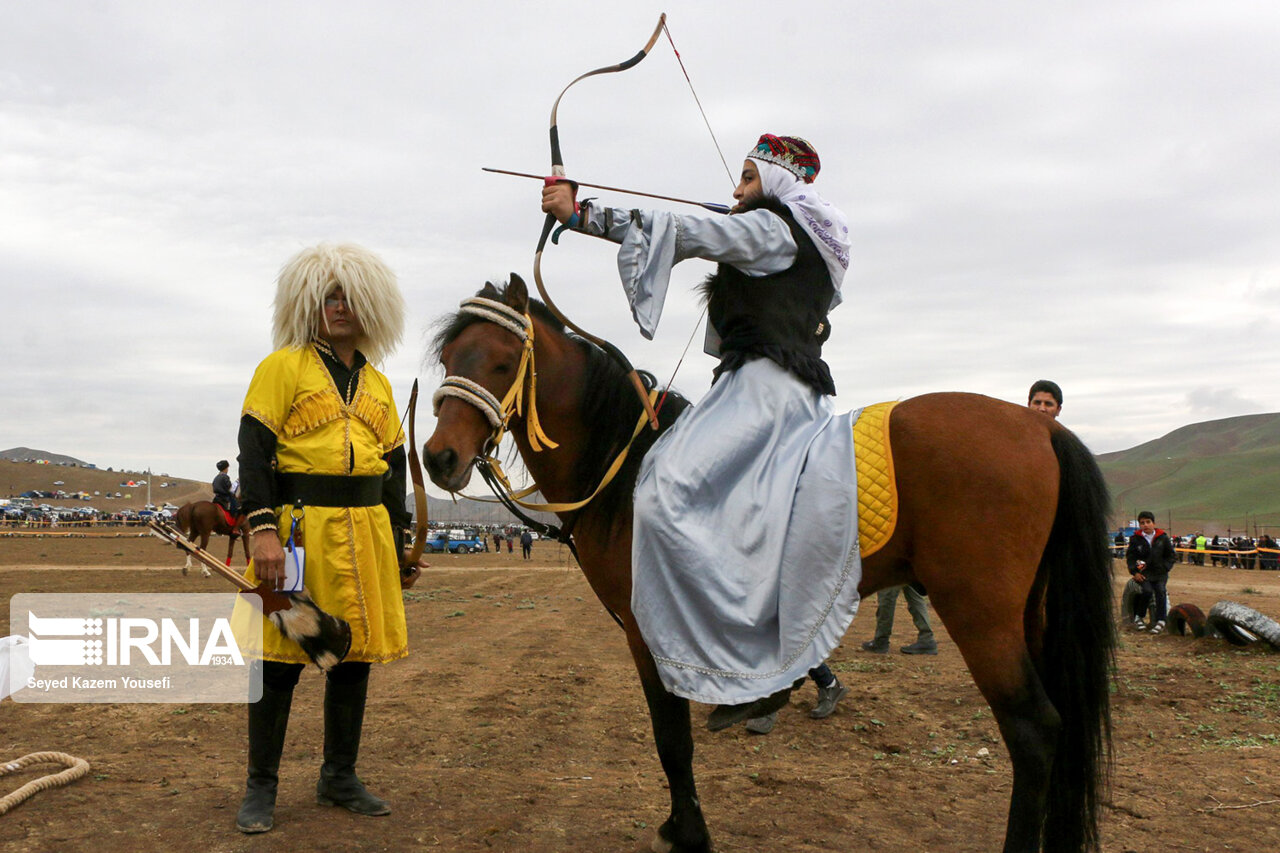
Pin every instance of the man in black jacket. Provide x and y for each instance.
(223, 492)
(1150, 557)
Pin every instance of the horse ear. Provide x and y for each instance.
(489, 291)
(518, 294)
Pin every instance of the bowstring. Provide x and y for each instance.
(732, 182)
(666, 29)
(658, 407)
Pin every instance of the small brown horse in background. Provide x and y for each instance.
(1002, 517)
(200, 520)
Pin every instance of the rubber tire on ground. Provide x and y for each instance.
(1186, 618)
(1131, 590)
(1230, 617)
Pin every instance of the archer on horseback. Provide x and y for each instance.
(738, 626)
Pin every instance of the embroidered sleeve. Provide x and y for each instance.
(757, 242)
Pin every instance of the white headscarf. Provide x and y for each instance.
(826, 225)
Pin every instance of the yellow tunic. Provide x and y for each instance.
(352, 569)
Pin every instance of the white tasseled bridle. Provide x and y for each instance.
(499, 412)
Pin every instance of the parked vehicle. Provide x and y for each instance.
(456, 541)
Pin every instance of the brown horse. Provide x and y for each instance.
(198, 520)
(1002, 517)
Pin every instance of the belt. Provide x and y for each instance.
(328, 489)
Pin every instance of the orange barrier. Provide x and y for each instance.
(1227, 552)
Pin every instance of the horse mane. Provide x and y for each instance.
(612, 407)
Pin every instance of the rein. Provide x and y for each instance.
(499, 414)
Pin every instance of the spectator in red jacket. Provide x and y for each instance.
(1150, 557)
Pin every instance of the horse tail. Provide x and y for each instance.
(1078, 652)
(183, 518)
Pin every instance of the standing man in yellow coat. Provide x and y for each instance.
(322, 471)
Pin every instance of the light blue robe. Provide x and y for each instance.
(745, 565)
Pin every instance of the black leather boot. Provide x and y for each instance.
(268, 720)
(343, 720)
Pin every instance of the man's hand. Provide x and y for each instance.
(268, 558)
(409, 574)
(558, 200)
(1139, 577)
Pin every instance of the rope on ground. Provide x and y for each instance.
(76, 768)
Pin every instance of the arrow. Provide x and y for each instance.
(708, 205)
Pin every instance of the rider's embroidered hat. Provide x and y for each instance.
(792, 153)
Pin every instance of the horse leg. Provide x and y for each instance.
(685, 829)
(991, 639)
(204, 546)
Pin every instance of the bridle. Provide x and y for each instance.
(499, 413)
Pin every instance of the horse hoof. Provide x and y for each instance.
(184, 571)
(661, 845)
(205, 572)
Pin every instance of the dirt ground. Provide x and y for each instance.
(517, 724)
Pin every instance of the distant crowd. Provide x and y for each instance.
(1232, 552)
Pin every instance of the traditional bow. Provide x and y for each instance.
(419, 487)
(558, 171)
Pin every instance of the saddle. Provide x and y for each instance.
(877, 487)
(233, 521)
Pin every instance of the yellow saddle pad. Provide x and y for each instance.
(877, 490)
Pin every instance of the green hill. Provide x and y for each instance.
(1216, 476)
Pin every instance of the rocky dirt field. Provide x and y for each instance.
(517, 724)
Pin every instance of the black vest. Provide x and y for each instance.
(781, 317)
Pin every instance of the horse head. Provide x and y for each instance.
(477, 356)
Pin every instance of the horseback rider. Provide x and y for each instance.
(322, 457)
(759, 455)
(224, 493)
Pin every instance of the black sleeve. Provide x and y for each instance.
(1131, 555)
(1168, 559)
(394, 494)
(257, 466)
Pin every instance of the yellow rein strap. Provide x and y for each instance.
(513, 402)
(499, 413)
(566, 507)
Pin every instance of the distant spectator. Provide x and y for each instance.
(1268, 559)
(1150, 557)
(886, 601)
(526, 545)
(1045, 396)
(1218, 552)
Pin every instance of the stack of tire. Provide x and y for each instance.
(1237, 624)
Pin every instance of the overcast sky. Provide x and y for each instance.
(1085, 191)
